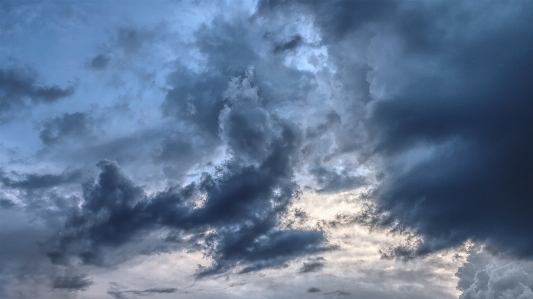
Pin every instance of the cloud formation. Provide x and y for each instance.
(482, 276)
(19, 89)
(242, 201)
(35, 181)
(454, 145)
(73, 283)
(212, 123)
(68, 125)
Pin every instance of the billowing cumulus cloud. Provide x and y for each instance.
(242, 201)
(484, 276)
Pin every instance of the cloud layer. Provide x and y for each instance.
(210, 125)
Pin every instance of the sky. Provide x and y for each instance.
(266, 149)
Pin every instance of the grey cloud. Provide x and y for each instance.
(337, 18)
(173, 149)
(228, 54)
(132, 39)
(334, 181)
(124, 149)
(332, 119)
(118, 291)
(68, 125)
(6, 204)
(469, 120)
(35, 181)
(229, 49)
(72, 283)
(181, 151)
(25, 272)
(509, 281)
(313, 290)
(293, 43)
(242, 201)
(243, 236)
(470, 172)
(155, 291)
(475, 261)
(486, 276)
(100, 62)
(19, 89)
(313, 265)
(339, 293)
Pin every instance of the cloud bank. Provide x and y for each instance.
(209, 122)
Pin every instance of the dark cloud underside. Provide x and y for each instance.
(19, 89)
(71, 283)
(472, 119)
(242, 205)
(426, 106)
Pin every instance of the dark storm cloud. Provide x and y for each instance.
(68, 125)
(35, 181)
(243, 200)
(72, 283)
(242, 204)
(457, 140)
(476, 182)
(313, 290)
(19, 89)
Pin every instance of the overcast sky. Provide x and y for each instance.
(266, 149)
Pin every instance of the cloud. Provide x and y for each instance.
(339, 18)
(118, 291)
(242, 201)
(424, 105)
(483, 275)
(35, 181)
(132, 39)
(19, 89)
(293, 43)
(453, 145)
(509, 281)
(69, 125)
(100, 62)
(6, 203)
(313, 290)
(339, 293)
(473, 181)
(331, 181)
(313, 265)
(72, 283)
